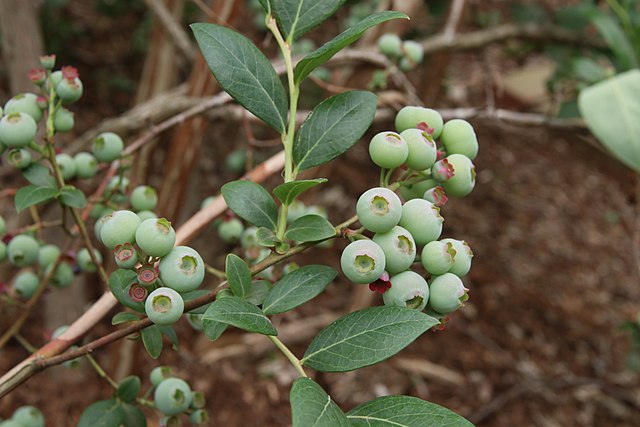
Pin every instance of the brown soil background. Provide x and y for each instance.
(552, 222)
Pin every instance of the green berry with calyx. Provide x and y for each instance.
(119, 227)
(422, 118)
(172, 396)
(379, 209)
(144, 198)
(63, 276)
(442, 170)
(17, 130)
(118, 184)
(422, 149)
(423, 220)
(464, 176)
(437, 257)
(231, 230)
(199, 417)
(164, 306)
(462, 259)
(236, 160)
(86, 165)
(47, 255)
(3, 250)
(388, 150)
(126, 255)
(198, 400)
(159, 374)
(85, 262)
(405, 64)
(447, 293)
(28, 416)
(26, 283)
(69, 90)
(399, 249)
(390, 45)
(107, 147)
(436, 195)
(66, 165)
(145, 215)
(63, 120)
(413, 51)
(408, 289)
(416, 190)
(459, 137)
(23, 250)
(182, 269)
(363, 261)
(24, 103)
(97, 227)
(19, 158)
(156, 237)
(54, 80)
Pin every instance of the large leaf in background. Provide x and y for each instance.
(365, 337)
(616, 39)
(298, 287)
(404, 411)
(244, 72)
(333, 127)
(344, 39)
(312, 406)
(251, 202)
(296, 17)
(611, 109)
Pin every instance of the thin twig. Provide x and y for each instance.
(175, 30)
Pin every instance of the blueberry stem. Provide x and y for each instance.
(289, 355)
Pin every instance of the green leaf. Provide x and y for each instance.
(238, 275)
(244, 72)
(72, 197)
(296, 17)
(123, 317)
(120, 282)
(39, 175)
(266, 237)
(616, 39)
(404, 411)
(611, 109)
(251, 202)
(333, 127)
(188, 296)
(128, 388)
(310, 228)
(288, 191)
(365, 337)
(312, 406)
(170, 333)
(240, 313)
(132, 416)
(344, 39)
(213, 329)
(152, 340)
(259, 291)
(298, 287)
(32, 195)
(103, 413)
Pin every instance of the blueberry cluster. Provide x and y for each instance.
(173, 396)
(436, 160)
(407, 54)
(25, 416)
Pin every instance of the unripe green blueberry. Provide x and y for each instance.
(399, 249)
(17, 130)
(86, 165)
(198, 400)
(437, 257)
(379, 209)
(195, 320)
(230, 231)
(207, 201)
(199, 417)
(3, 251)
(63, 120)
(297, 209)
(422, 149)
(145, 215)
(464, 176)
(19, 158)
(413, 51)
(447, 293)
(458, 137)
(118, 184)
(249, 238)
(423, 220)
(182, 269)
(107, 147)
(26, 283)
(388, 150)
(54, 80)
(416, 190)
(24, 103)
(66, 165)
(390, 45)
(408, 289)
(23, 250)
(126, 255)
(97, 227)
(156, 237)
(236, 160)
(436, 195)
(119, 227)
(159, 374)
(69, 90)
(363, 261)
(172, 396)
(411, 117)
(10, 423)
(84, 260)
(47, 255)
(442, 170)
(405, 64)
(164, 306)
(28, 416)
(63, 276)
(462, 259)
(144, 198)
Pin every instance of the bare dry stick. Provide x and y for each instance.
(179, 35)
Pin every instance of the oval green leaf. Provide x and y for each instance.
(39, 175)
(238, 275)
(31, 195)
(212, 329)
(298, 287)
(288, 191)
(128, 388)
(296, 17)
(103, 413)
(240, 313)
(251, 202)
(72, 197)
(123, 317)
(365, 337)
(310, 228)
(152, 340)
(312, 406)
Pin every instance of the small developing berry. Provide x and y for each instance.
(199, 417)
(64, 120)
(399, 249)
(442, 170)
(69, 90)
(464, 179)
(48, 61)
(436, 195)
(422, 149)
(119, 227)
(408, 289)
(144, 197)
(85, 262)
(147, 274)
(145, 215)
(28, 416)
(172, 396)
(459, 137)
(423, 220)
(413, 51)
(159, 374)
(462, 260)
(47, 255)
(63, 276)
(388, 150)
(390, 45)
(118, 184)
(25, 284)
(379, 209)
(66, 165)
(107, 147)
(447, 293)
(23, 250)
(437, 257)
(182, 269)
(86, 165)
(156, 237)
(38, 76)
(425, 119)
(363, 261)
(19, 158)
(24, 103)
(164, 306)
(230, 230)
(138, 293)
(126, 255)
